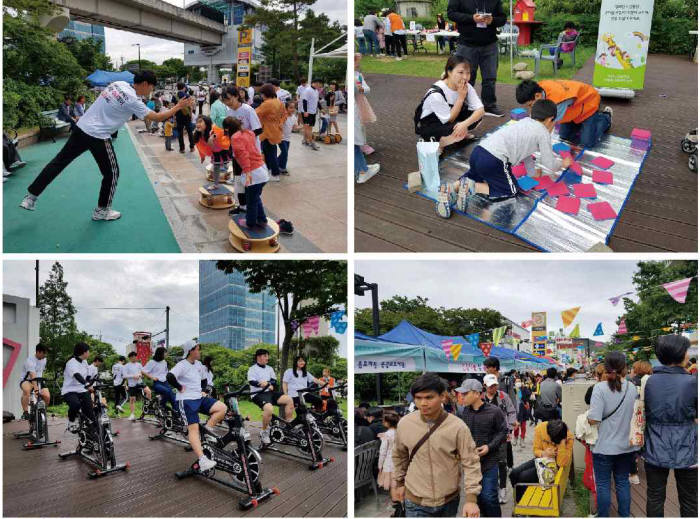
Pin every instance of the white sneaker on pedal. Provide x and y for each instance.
(28, 202)
(73, 427)
(120, 409)
(206, 464)
(502, 495)
(132, 417)
(634, 479)
(265, 437)
(105, 213)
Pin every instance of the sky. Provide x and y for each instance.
(120, 43)
(125, 284)
(514, 288)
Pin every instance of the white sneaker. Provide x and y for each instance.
(265, 437)
(274, 178)
(634, 479)
(28, 202)
(73, 427)
(120, 409)
(106, 213)
(608, 110)
(132, 417)
(502, 495)
(372, 169)
(206, 464)
(314, 146)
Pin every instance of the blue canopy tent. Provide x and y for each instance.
(373, 355)
(102, 78)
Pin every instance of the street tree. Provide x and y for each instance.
(57, 326)
(303, 289)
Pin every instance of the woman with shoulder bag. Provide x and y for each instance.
(612, 406)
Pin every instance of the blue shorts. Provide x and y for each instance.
(191, 408)
(484, 167)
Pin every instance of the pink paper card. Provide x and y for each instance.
(565, 153)
(576, 168)
(602, 177)
(584, 191)
(602, 162)
(568, 204)
(519, 170)
(602, 211)
(639, 133)
(544, 182)
(558, 189)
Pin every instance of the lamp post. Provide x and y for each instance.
(361, 286)
(139, 46)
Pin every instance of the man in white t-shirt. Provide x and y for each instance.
(300, 89)
(134, 380)
(264, 392)
(34, 367)
(309, 107)
(187, 377)
(114, 107)
(282, 94)
(118, 383)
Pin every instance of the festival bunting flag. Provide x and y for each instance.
(616, 299)
(678, 290)
(486, 348)
(446, 347)
(576, 332)
(294, 325)
(456, 349)
(622, 328)
(568, 316)
(498, 334)
(598, 330)
(311, 325)
(636, 338)
(526, 324)
(473, 340)
(341, 327)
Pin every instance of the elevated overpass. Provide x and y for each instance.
(151, 17)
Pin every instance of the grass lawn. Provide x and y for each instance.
(247, 408)
(432, 65)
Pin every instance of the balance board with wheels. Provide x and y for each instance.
(223, 176)
(253, 240)
(222, 198)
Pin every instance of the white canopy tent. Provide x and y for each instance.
(339, 53)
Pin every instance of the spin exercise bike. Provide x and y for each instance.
(38, 434)
(331, 422)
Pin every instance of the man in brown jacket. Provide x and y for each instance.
(430, 486)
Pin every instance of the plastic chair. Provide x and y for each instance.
(365, 457)
(545, 52)
(508, 36)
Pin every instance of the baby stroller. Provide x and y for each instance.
(689, 145)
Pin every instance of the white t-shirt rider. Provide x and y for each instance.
(34, 365)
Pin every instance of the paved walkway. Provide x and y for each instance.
(313, 197)
(37, 483)
(661, 213)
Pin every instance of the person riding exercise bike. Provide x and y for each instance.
(73, 391)
(298, 378)
(186, 377)
(261, 378)
(34, 368)
(157, 370)
(132, 374)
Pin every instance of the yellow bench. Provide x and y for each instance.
(543, 501)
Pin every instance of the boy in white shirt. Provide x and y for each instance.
(118, 383)
(188, 379)
(287, 128)
(73, 391)
(309, 107)
(132, 375)
(34, 367)
(491, 161)
(264, 392)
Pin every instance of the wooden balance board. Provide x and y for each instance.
(267, 242)
(222, 198)
(223, 177)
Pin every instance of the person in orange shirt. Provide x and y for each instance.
(398, 29)
(578, 107)
(552, 440)
(272, 115)
(211, 141)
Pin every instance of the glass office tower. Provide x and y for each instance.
(229, 314)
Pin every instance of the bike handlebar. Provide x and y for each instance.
(312, 389)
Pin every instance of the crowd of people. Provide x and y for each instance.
(466, 432)
(188, 387)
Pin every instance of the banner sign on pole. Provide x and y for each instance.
(245, 54)
(623, 44)
(539, 332)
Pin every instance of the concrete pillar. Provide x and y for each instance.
(573, 404)
(212, 74)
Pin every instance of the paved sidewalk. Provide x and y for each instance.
(313, 197)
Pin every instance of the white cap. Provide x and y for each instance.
(188, 347)
(490, 380)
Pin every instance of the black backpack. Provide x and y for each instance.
(419, 108)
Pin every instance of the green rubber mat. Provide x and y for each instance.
(62, 221)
